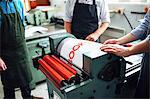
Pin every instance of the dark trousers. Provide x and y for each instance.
(143, 87)
(9, 92)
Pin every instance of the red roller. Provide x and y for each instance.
(48, 76)
(65, 65)
(58, 67)
(53, 73)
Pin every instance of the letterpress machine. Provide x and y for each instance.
(78, 69)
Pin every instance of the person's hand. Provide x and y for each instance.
(2, 65)
(111, 41)
(116, 49)
(92, 37)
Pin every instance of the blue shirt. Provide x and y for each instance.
(9, 8)
(143, 30)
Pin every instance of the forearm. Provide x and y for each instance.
(67, 26)
(143, 46)
(127, 38)
(2, 65)
(102, 29)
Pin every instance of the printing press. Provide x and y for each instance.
(77, 69)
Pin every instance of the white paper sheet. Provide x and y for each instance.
(73, 50)
(30, 31)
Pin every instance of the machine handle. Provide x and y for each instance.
(42, 45)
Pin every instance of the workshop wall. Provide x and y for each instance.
(133, 11)
(124, 17)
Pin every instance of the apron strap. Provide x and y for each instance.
(77, 1)
(94, 3)
(15, 6)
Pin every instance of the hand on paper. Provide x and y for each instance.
(92, 37)
(116, 49)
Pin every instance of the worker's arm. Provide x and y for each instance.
(125, 39)
(2, 65)
(143, 46)
(138, 33)
(94, 36)
(67, 26)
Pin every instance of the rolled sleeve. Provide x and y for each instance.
(141, 31)
(148, 38)
(68, 12)
(104, 12)
(22, 11)
(20, 8)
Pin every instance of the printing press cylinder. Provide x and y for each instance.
(73, 50)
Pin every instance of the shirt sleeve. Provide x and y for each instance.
(141, 31)
(20, 8)
(104, 12)
(68, 12)
(148, 38)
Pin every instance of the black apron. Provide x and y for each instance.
(143, 87)
(85, 20)
(14, 51)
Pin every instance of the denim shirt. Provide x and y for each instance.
(8, 7)
(143, 30)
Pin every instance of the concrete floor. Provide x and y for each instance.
(39, 91)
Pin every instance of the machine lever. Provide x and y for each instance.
(43, 51)
(43, 45)
(129, 62)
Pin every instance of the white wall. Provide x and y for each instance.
(120, 21)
